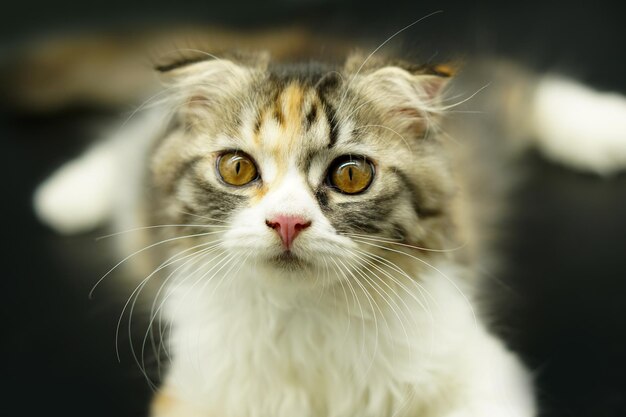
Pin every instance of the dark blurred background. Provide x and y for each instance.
(564, 286)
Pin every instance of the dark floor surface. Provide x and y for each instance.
(565, 284)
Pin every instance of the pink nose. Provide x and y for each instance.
(288, 227)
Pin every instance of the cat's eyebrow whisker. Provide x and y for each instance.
(440, 272)
(450, 106)
(144, 249)
(387, 128)
(467, 112)
(378, 48)
(135, 229)
(366, 102)
(147, 104)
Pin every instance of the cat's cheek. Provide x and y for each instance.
(247, 231)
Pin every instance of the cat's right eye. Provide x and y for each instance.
(236, 168)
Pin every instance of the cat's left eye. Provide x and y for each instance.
(351, 175)
(236, 168)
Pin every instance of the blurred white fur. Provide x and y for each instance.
(84, 193)
(578, 126)
(79, 196)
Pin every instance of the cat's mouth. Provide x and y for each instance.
(289, 261)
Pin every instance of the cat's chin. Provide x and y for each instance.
(289, 268)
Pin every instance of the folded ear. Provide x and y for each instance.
(408, 95)
(197, 82)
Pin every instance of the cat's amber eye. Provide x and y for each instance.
(351, 174)
(236, 168)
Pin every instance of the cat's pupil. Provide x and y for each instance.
(350, 173)
(237, 167)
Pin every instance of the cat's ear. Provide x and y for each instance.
(197, 83)
(410, 96)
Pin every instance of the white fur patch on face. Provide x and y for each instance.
(287, 196)
(580, 127)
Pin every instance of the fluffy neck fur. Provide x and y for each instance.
(242, 347)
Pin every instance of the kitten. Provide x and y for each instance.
(321, 227)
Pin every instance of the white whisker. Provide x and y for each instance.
(144, 249)
(157, 226)
(379, 47)
(369, 299)
(440, 272)
(392, 242)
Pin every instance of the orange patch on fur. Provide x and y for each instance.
(445, 70)
(293, 96)
(260, 192)
(292, 100)
(280, 128)
(161, 403)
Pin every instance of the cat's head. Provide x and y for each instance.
(302, 167)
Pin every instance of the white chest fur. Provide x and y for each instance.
(242, 348)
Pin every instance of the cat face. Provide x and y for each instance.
(297, 167)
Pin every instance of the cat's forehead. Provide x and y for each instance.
(291, 117)
(294, 115)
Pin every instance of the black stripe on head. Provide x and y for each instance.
(311, 116)
(328, 84)
(333, 128)
(277, 112)
(257, 124)
(181, 62)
